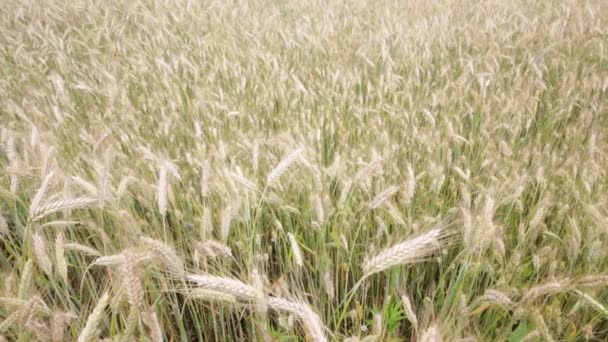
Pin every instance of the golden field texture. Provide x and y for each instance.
(303, 170)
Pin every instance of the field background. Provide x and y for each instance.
(227, 170)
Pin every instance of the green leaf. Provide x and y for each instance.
(519, 333)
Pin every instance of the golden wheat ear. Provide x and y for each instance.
(167, 254)
(41, 211)
(415, 249)
(280, 169)
(309, 319)
(229, 286)
(90, 330)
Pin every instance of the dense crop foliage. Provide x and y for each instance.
(303, 170)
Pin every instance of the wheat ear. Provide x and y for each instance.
(383, 196)
(410, 251)
(409, 311)
(211, 295)
(206, 224)
(228, 286)
(496, 297)
(131, 279)
(59, 205)
(42, 258)
(151, 321)
(283, 166)
(58, 322)
(550, 288)
(82, 249)
(90, 330)
(205, 179)
(329, 286)
(295, 248)
(599, 280)
(40, 193)
(310, 320)
(162, 190)
(431, 334)
(62, 266)
(27, 280)
(4, 226)
(167, 254)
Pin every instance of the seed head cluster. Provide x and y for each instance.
(303, 170)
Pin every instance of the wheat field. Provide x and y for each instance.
(303, 170)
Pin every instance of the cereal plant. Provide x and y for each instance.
(309, 170)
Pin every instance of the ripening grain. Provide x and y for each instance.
(303, 170)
